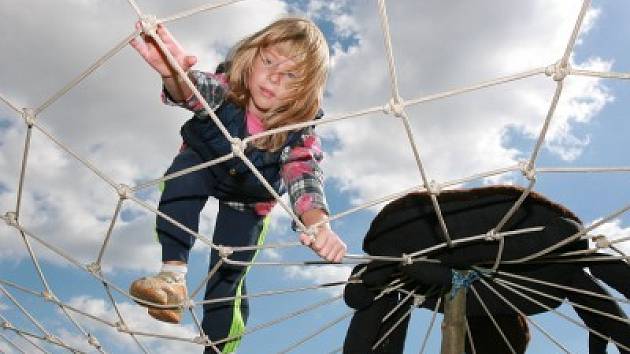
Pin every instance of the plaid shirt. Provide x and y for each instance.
(300, 169)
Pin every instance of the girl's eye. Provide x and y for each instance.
(291, 75)
(266, 61)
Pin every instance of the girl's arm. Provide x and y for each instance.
(326, 243)
(304, 180)
(151, 53)
(211, 86)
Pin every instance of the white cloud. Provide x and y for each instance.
(113, 118)
(613, 230)
(136, 319)
(5, 348)
(440, 48)
(320, 275)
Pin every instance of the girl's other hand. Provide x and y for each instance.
(326, 243)
(149, 50)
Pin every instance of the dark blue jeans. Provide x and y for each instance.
(182, 199)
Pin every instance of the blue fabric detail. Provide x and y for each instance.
(461, 280)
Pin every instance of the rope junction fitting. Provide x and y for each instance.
(601, 241)
(28, 114)
(528, 170)
(10, 217)
(94, 268)
(225, 251)
(238, 146)
(434, 188)
(124, 191)
(149, 24)
(395, 107)
(558, 71)
(93, 341)
(202, 340)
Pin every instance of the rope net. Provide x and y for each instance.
(39, 337)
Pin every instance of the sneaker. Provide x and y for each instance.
(165, 288)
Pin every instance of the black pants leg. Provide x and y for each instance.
(228, 318)
(182, 199)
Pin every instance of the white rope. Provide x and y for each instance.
(494, 322)
(532, 300)
(515, 308)
(431, 323)
(395, 105)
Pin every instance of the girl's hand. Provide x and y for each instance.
(326, 244)
(149, 50)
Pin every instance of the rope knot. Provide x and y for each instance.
(94, 268)
(93, 341)
(601, 241)
(491, 236)
(406, 259)
(52, 339)
(418, 300)
(121, 327)
(395, 106)
(189, 304)
(224, 251)
(29, 116)
(10, 217)
(49, 296)
(238, 146)
(462, 280)
(528, 170)
(149, 23)
(434, 188)
(557, 71)
(124, 191)
(201, 340)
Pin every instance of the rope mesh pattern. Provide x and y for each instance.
(395, 105)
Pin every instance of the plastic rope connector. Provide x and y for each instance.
(7, 325)
(406, 259)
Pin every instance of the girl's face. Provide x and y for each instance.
(270, 80)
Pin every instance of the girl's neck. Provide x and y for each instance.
(253, 109)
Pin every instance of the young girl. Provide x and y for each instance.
(272, 78)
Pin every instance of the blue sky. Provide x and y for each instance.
(115, 120)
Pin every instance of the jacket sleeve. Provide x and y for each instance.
(212, 87)
(302, 174)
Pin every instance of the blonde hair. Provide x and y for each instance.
(299, 39)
